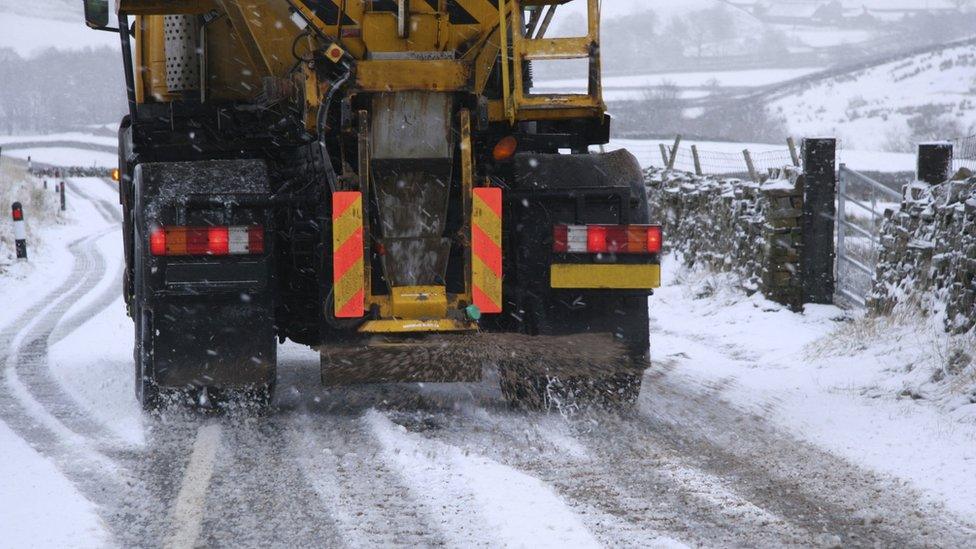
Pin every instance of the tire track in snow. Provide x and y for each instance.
(258, 496)
(479, 501)
(34, 406)
(32, 367)
(368, 501)
(652, 504)
(809, 487)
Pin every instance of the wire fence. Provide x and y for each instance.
(725, 163)
(964, 153)
(771, 160)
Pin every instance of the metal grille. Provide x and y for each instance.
(182, 57)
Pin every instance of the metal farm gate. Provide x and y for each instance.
(861, 203)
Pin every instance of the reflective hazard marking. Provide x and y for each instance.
(20, 231)
(486, 249)
(348, 270)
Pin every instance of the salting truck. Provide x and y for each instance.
(383, 181)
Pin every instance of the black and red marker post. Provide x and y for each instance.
(20, 231)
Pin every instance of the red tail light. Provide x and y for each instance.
(220, 240)
(157, 241)
(596, 239)
(613, 239)
(560, 239)
(654, 240)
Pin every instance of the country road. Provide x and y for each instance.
(409, 464)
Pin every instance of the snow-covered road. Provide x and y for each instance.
(391, 464)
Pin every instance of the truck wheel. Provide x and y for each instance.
(147, 391)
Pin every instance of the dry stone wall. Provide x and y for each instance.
(928, 254)
(753, 229)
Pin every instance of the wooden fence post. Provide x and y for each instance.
(750, 166)
(793, 153)
(664, 155)
(694, 155)
(674, 152)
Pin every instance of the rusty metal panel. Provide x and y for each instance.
(412, 74)
(411, 125)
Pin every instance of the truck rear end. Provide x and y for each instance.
(378, 181)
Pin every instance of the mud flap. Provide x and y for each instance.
(226, 345)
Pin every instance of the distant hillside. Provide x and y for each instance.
(889, 106)
(29, 27)
(56, 74)
(63, 10)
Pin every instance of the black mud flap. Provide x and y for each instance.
(202, 343)
(213, 317)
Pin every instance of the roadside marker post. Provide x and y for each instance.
(62, 196)
(20, 231)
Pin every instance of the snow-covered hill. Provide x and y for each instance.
(64, 10)
(886, 107)
(29, 27)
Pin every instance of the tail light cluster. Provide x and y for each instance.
(218, 240)
(611, 239)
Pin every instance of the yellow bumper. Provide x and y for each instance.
(416, 326)
(605, 277)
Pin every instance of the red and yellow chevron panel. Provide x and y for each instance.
(486, 249)
(348, 267)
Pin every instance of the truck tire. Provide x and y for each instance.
(147, 391)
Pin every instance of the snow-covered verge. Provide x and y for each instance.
(926, 283)
(29, 484)
(41, 209)
(39, 505)
(860, 387)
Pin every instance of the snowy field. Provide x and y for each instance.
(66, 156)
(103, 137)
(648, 153)
(30, 35)
(756, 427)
(692, 85)
(62, 149)
(871, 109)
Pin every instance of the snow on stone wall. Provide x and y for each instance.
(928, 255)
(732, 225)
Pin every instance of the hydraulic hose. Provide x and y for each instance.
(321, 123)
